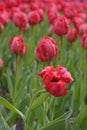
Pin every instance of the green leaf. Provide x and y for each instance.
(82, 117)
(3, 111)
(21, 106)
(10, 85)
(38, 101)
(4, 125)
(56, 121)
(8, 105)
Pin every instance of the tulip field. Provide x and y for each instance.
(43, 65)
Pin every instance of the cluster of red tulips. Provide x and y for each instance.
(61, 16)
(65, 18)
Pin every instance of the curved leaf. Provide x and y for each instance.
(54, 122)
(8, 105)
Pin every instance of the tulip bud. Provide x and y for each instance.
(18, 46)
(34, 17)
(69, 12)
(52, 15)
(20, 20)
(47, 50)
(82, 29)
(72, 34)
(41, 13)
(60, 25)
(77, 22)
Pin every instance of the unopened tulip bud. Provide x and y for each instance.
(18, 46)
(47, 50)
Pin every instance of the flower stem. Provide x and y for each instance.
(17, 75)
(83, 90)
(61, 45)
(29, 111)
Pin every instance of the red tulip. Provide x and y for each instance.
(60, 25)
(84, 41)
(64, 74)
(72, 34)
(18, 46)
(4, 17)
(41, 13)
(37, 5)
(52, 15)
(12, 11)
(47, 50)
(70, 12)
(77, 22)
(10, 3)
(82, 29)
(24, 7)
(61, 5)
(34, 17)
(52, 7)
(2, 7)
(20, 20)
(55, 80)
(80, 13)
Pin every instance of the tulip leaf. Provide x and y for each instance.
(65, 116)
(10, 85)
(82, 117)
(4, 125)
(8, 105)
(38, 101)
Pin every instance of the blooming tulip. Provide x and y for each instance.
(55, 80)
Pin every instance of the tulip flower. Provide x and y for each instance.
(60, 25)
(70, 12)
(47, 50)
(33, 17)
(18, 46)
(20, 20)
(82, 29)
(72, 34)
(55, 80)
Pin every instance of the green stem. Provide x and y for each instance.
(81, 57)
(61, 45)
(27, 127)
(17, 75)
(29, 112)
(85, 73)
(83, 90)
(72, 56)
